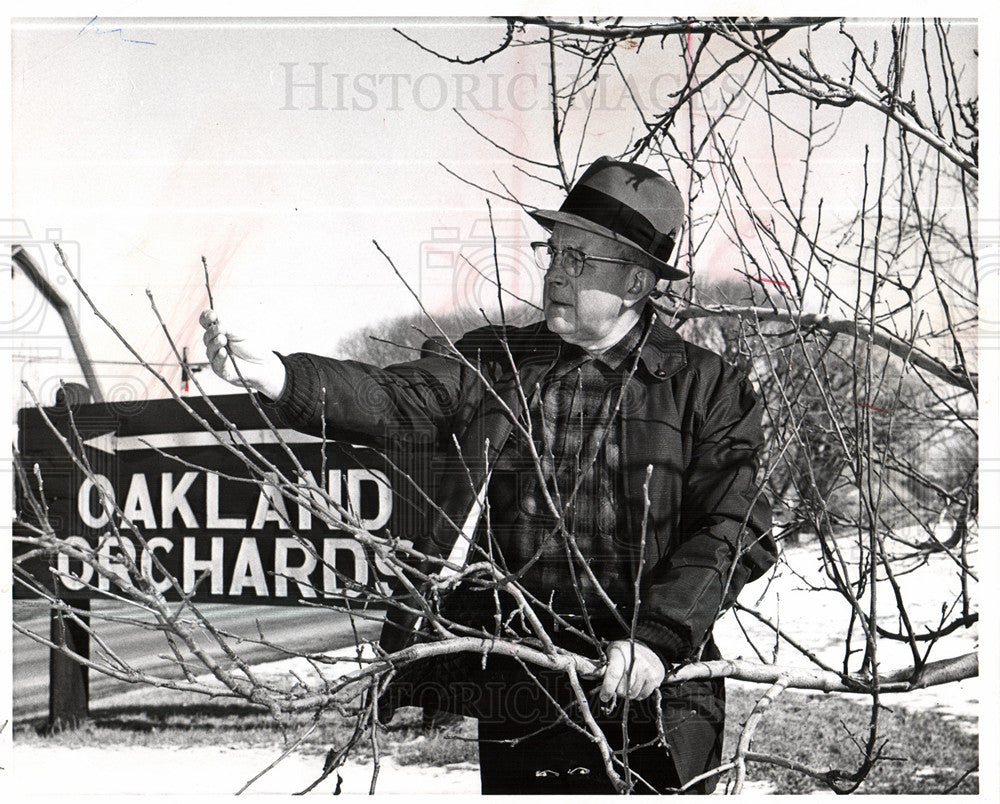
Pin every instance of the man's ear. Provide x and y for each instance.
(642, 283)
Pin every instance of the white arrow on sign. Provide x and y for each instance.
(110, 443)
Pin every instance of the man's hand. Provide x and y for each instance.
(647, 671)
(260, 368)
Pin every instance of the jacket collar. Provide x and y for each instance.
(663, 351)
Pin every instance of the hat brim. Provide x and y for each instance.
(549, 217)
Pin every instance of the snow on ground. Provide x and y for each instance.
(130, 771)
(212, 771)
(817, 619)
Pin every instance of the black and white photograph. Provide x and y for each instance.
(428, 402)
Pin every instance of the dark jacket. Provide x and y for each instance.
(685, 412)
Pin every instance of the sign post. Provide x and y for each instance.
(69, 682)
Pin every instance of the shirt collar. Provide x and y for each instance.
(617, 354)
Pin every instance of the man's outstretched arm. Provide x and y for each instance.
(355, 400)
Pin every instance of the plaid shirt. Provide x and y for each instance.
(577, 435)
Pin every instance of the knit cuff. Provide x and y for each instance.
(665, 640)
(299, 399)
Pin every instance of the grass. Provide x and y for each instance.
(925, 753)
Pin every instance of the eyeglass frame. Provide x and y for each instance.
(584, 256)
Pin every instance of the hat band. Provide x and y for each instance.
(607, 211)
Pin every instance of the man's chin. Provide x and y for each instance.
(567, 330)
(558, 322)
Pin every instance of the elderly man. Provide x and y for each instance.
(606, 467)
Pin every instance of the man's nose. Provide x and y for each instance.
(556, 275)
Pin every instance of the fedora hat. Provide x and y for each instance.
(625, 202)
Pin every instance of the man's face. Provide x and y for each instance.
(583, 309)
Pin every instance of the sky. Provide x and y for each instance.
(150, 147)
(144, 144)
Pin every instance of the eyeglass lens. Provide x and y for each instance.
(570, 259)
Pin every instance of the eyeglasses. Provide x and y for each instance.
(571, 260)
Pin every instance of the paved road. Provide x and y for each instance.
(299, 629)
